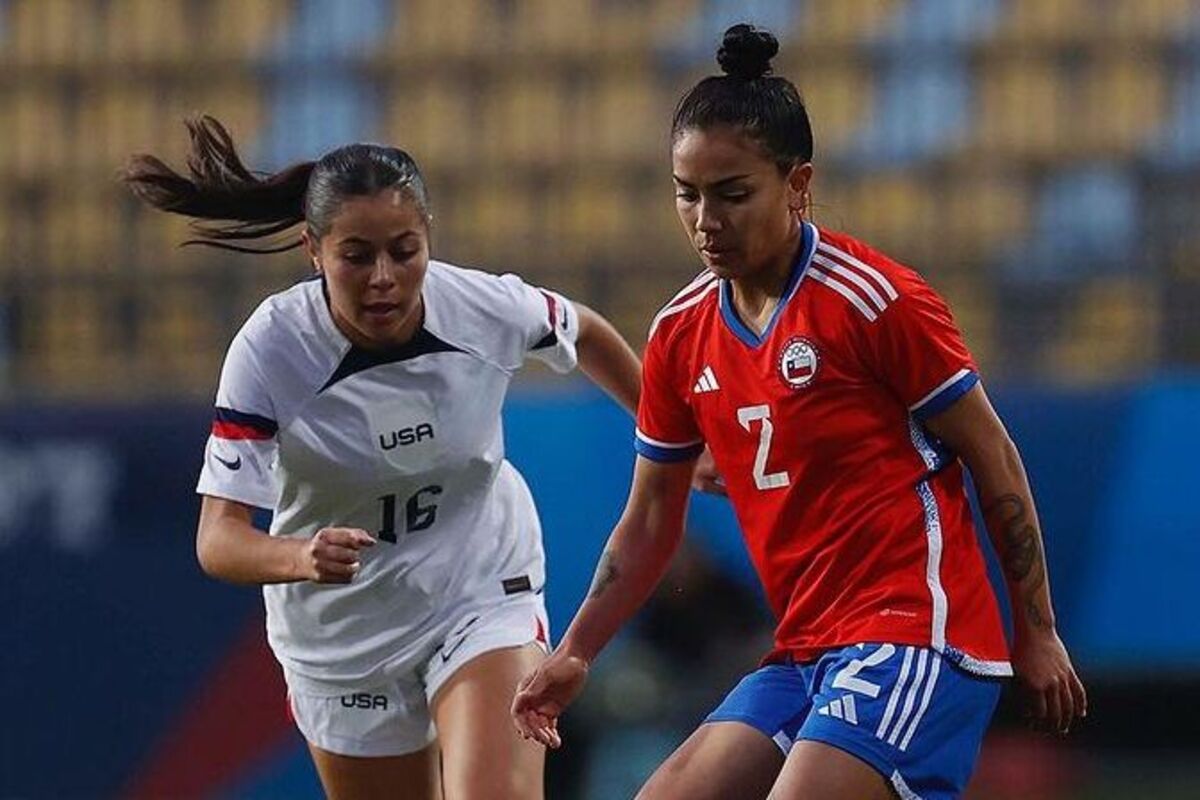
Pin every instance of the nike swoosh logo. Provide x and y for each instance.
(461, 633)
(235, 465)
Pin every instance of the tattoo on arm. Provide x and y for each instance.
(606, 573)
(1021, 553)
(1018, 537)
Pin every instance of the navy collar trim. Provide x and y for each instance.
(358, 360)
(810, 237)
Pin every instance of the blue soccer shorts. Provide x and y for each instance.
(913, 716)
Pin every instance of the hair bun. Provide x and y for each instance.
(746, 52)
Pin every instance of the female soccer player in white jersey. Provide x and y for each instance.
(840, 405)
(403, 572)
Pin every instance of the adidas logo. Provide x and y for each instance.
(707, 382)
(842, 708)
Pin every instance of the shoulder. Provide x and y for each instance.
(281, 317)
(488, 315)
(284, 348)
(861, 278)
(455, 296)
(679, 315)
(473, 288)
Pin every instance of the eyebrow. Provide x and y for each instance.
(715, 185)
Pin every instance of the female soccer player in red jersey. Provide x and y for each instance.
(404, 570)
(841, 406)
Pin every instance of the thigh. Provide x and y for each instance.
(720, 760)
(413, 775)
(740, 748)
(816, 769)
(482, 753)
(913, 716)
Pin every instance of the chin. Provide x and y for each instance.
(725, 271)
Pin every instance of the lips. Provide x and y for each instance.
(717, 254)
(380, 309)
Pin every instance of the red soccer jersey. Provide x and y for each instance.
(855, 516)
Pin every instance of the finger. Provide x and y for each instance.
(336, 554)
(1080, 694)
(530, 727)
(547, 736)
(1067, 700)
(1054, 710)
(354, 538)
(551, 737)
(362, 539)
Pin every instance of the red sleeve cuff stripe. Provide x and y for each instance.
(232, 430)
(552, 308)
(231, 424)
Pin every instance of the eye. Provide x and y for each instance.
(686, 195)
(359, 257)
(403, 254)
(736, 195)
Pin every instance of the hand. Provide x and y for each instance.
(331, 555)
(544, 694)
(1056, 695)
(705, 477)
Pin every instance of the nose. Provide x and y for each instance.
(707, 218)
(383, 273)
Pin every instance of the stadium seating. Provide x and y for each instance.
(1008, 148)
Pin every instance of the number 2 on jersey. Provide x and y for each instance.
(418, 514)
(762, 478)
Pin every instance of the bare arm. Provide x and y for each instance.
(972, 429)
(633, 562)
(230, 548)
(635, 557)
(608, 359)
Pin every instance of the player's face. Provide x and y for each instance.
(739, 210)
(374, 259)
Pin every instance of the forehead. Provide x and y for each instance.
(386, 214)
(703, 155)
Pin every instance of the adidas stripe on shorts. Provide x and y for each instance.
(908, 712)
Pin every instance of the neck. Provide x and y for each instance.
(756, 295)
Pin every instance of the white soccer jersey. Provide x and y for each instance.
(406, 445)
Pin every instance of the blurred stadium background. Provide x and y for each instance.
(1037, 160)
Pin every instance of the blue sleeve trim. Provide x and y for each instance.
(667, 455)
(946, 397)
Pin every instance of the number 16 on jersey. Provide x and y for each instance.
(420, 512)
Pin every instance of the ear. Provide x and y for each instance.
(798, 179)
(311, 246)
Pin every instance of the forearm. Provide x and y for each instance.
(233, 550)
(606, 358)
(1012, 524)
(630, 567)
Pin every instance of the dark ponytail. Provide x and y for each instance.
(749, 97)
(228, 202)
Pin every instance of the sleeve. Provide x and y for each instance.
(239, 458)
(919, 353)
(666, 427)
(551, 326)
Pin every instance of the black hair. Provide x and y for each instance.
(229, 202)
(766, 107)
